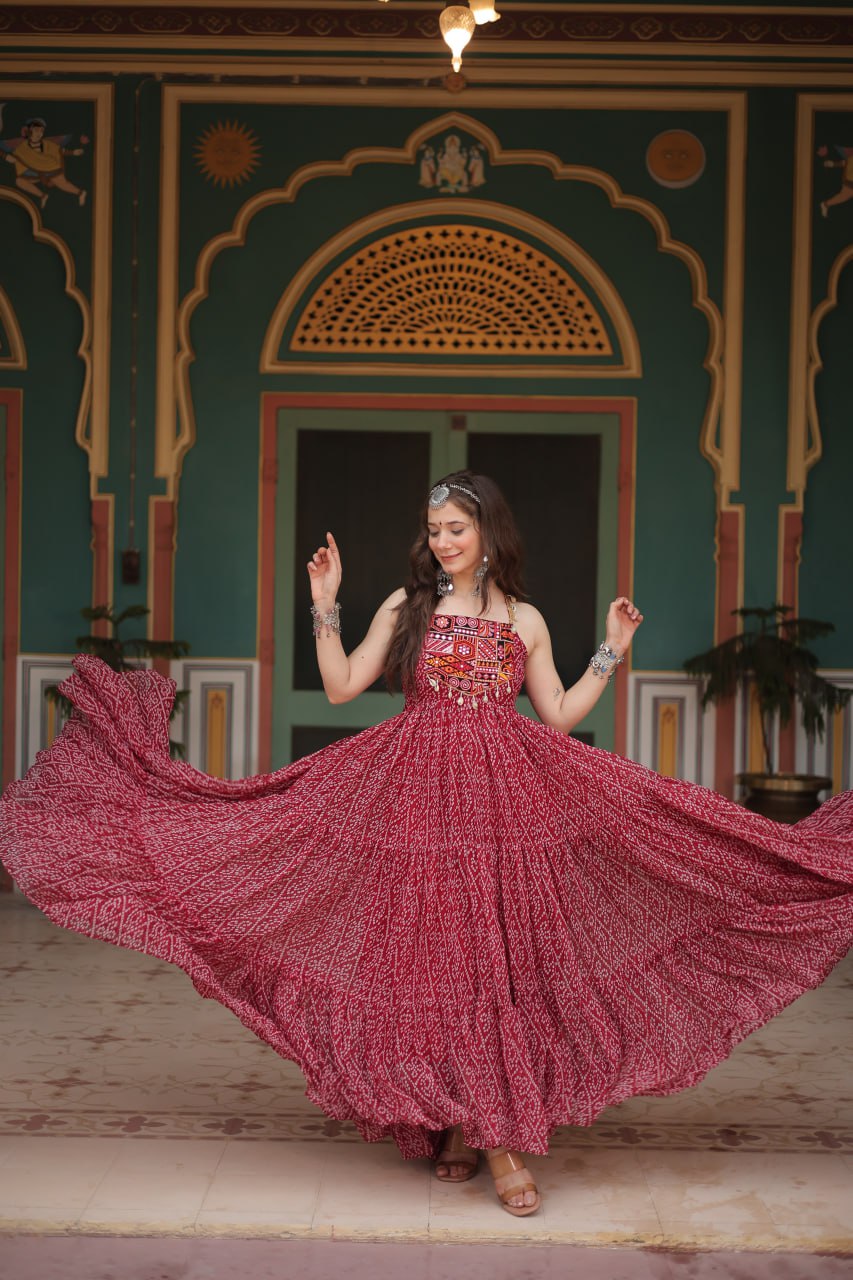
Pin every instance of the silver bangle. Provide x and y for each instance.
(331, 621)
(604, 662)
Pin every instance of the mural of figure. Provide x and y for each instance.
(476, 166)
(40, 162)
(427, 178)
(452, 165)
(845, 164)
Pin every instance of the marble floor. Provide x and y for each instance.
(129, 1106)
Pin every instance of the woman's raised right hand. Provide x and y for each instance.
(324, 570)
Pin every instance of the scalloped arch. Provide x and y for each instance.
(172, 446)
(13, 353)
(450, 290)
(84, 350)
(800, 466)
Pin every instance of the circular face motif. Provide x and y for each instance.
(675, 158)
(439, 495)
(227, 154)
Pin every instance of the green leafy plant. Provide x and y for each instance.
(771, 653)
(124, 654)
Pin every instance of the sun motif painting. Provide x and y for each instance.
(227, 154)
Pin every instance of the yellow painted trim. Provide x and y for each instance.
(173, 377)
(17, 357)
(728, 463)
(755, 741)
(50, 728)
(804, 441)
(92, 426)
(815, 362)
(668, 731)
(84, 351)
(290, 44)
(167, 438)
(217, 721)
(517, 219)
(534, 70)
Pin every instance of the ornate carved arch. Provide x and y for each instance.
(172, 446)
(448, 291)
(813, 442)
(84, 350)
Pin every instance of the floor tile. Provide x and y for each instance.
(155, 1191)
(132, 1106)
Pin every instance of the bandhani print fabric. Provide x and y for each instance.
(457, 916)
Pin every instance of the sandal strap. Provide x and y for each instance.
(502, 1162)
(510, 1170)
(456, 1150)
(512, 1183)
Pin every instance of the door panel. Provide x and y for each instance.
(367, 488)
(551, 482)
(363, 474)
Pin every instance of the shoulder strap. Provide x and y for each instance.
(510, 605)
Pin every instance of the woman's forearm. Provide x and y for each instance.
(579, 699)
(331, 657)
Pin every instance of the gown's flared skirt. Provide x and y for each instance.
(456, 916)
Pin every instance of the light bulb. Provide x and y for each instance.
(483, 11)
(457, 26)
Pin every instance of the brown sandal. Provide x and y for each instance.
(515, 1179)
(456, 1151)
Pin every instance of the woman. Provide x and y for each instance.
(465, 927)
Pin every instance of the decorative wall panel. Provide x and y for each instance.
(38, 720)
(452, 290)
(218, 724)
(667, 729)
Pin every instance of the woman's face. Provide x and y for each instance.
(454, 539)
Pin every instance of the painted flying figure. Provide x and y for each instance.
(39, 161)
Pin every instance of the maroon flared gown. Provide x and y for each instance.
(458, 915)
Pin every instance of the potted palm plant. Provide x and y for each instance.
(770, 654)
(124, 654)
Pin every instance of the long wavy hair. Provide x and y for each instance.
(501, 543)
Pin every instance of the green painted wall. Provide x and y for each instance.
(216, 564)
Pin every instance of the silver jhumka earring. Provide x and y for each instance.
(444, 583)
(480, 577)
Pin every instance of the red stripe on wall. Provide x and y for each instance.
(268, 483)
(728, 579)
(163, 571)
(792, 539)
(101, 560)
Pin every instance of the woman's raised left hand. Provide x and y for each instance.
(623, 618)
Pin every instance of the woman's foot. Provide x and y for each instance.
(514, 1183)
(456, 1162)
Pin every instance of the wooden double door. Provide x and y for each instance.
(364, 475)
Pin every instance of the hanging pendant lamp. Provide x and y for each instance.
(483, 11)
(458, 22)
(457, 26)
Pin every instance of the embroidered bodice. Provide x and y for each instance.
(472, 661)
